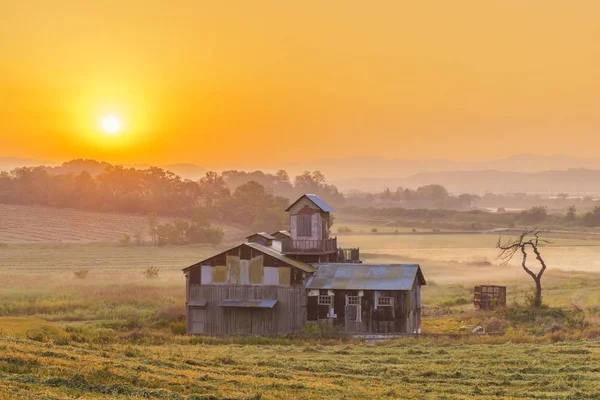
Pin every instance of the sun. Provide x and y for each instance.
(111, 124)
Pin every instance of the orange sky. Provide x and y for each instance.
(250, 82)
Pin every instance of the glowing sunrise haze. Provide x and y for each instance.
(211, 82)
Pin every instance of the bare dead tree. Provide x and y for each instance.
(528, 240)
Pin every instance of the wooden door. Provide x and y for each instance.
(198, 316)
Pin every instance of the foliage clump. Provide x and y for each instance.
(151, 272)
(81, 273)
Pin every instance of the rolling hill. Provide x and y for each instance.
(35, 224)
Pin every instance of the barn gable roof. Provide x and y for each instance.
(352, 276)
(261, 234)
(267, 251)
(316, 200)
(281, 234)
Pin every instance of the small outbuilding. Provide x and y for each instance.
(367, 298)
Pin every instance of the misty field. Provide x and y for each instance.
(115, 282)
(116, 332)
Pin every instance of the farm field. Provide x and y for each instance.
(407, 369)
(566, 252)
(34, 224)
(39, 279)
(116, 333)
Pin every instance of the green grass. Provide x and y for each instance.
(34, 328)
(410, 369)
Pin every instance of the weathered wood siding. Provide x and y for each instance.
(403, 316)
(304, 213)
(288, 315)
(316, 229)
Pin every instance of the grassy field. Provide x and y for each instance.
(581, 253)
(116, 333)
(39, 280)
(34, 224)
(408, 369)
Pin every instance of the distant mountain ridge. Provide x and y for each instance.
(369, 167)
(573, 181)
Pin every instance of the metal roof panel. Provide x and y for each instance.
(316, 200)
(351, 276)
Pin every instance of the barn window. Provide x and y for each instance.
(303, 227)
(353, 300)
(385, 301)
(325, 300)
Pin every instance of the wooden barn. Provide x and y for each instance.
(250, 289)
(277, 283)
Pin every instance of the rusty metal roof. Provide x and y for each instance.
(248, 303)
(316, 200)
(365, 276)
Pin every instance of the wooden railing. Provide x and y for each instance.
(348, 255)
(299, 246)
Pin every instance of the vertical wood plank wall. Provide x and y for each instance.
(288, 315)
(405, 318)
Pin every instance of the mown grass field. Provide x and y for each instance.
(407, 369)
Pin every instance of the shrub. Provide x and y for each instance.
(151, 272)
(344, 229)
(374, 230)
(81, 273)
(138, 236)
(178, 327)
(103, 336)
(125, 240)
(495, 325)
(205, 234)
(323, 329)
(171, 313)
(458, 301)
(592, 218)
(533, 215)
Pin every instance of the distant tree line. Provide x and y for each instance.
(428, 196)
(256, 200)
(448, 218)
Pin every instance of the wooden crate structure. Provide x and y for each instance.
(486, 297)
